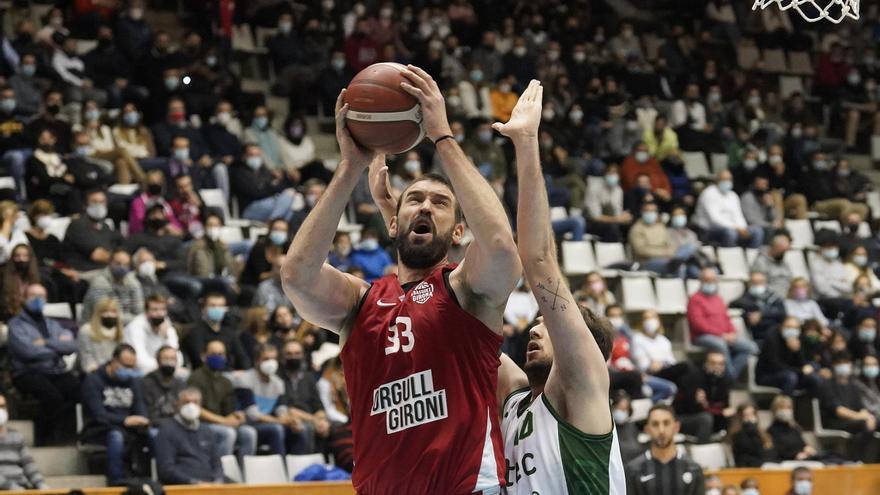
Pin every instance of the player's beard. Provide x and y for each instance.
(662, 443)
(421, 256)
(538, 370)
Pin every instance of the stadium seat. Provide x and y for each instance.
(671, 296)
(709, 455)
(832, 225)
(774, 60)
(799, 63)
(693, 285)
(638, 294)
(231, 468)
(264, 469)
(7, 183)
(753, 387)
(864, 230)
(254, 233)
(746, 55)
(789, 85)
(609, 253)
(730, 290)
(820, 431)
(213, 198)
(231, 234)
(640, 408)
(751, 255)
(58, 310)
(875, 148)
(577, 257)
(765, 418)
(801, 233)
(873, 197)
(80, 423)
(652, 44)
(733, 263)
(296, 463)
(695, 164)
(262, 35)
(719, 161)
(794, 258)
(709, 251)
(124, 189)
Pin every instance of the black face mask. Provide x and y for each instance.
(108, 321)
(293, 364)
(156, 223)
(166, 370)
(53, 109)
(154, 189)
(155, 320)
(21, 266)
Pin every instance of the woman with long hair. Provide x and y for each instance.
(254, 330)
(18, 273)
(752, 446)
(594, 294)
(334, 395)
(100, 335)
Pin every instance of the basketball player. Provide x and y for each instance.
(557, 426)
(558, 434)
(420, 349)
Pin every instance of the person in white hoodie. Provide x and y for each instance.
(719, 213)
(652, 351)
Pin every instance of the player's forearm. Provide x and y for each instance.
(534, 234)
(479, 203)
(313, 241)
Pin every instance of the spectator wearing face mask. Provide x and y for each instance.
(262, 193)
(50, 254)
(312, 190)
(114, 411)
(640, 162)
(783, 363)
(186, 448)
(475, 95)
(370, 257)
(210, 260)
(863, 341)
(332, 79)
(412, 171)
(763, 309)
(752, 446)
(340, 256)
(606, 215)
(719, 213)
(216, 324)
(150, 331)
(36, 347)
(176, 125)
(503, 100)
(298, 149)
(118, 282)
(19, 471)
(17, 274)
(257, 267)
(51, 118)
(858, 265)
(14, 143)
(162, 385)
(800, 304)
(89, 240)
(594, 294)
(26, 87)
(99, 337)
(649, 241)
(842, 408)
(132, 32)
(270, 293)
(867, 384)
(627, 431)
(832, 287)
(265, 411)
(801, 481)
(486, 154)
(261, 133)
(131, 135)
(661, 141)
(711, 327)
(303, 401)
(168, 250)
(152, 195)
(652, 354)
(759, 206)
(786, 434)
(771, 262)
(49, 177)
(223, 133)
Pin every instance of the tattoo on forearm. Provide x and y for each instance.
(552, 296)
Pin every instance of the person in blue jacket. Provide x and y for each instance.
(186, 449)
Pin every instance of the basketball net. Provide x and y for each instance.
(816, 10)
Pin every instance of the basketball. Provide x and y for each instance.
(382, 116)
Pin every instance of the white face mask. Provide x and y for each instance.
(4, 416)
(269, 367)
(44, 222)
(147, 269)
(651, 325)
(620, 416)
(213, 233)
(190, 411)
(616, 321)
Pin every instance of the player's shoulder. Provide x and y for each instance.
(513, 397)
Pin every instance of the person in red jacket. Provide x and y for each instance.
(711, 326)
(641, 162)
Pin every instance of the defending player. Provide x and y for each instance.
(558, 434)
(420, 349)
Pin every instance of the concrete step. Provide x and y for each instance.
(70, 482)
(26, 428)
(59, 461)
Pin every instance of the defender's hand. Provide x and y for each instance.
(526, 115)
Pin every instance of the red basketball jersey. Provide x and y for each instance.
(421, 374)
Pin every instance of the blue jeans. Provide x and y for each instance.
(657, 265)
(271, 434)
(736, 353)
(301, 442)
(228, 439)
(276, 206)
(115, 456)
(730, 237)
(576, 225)
(14, 161)
(661, 389)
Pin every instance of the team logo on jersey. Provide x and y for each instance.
(422, 292)
(409, 402)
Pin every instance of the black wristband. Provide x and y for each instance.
(441, 138)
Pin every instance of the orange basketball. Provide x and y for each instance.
(382, 116)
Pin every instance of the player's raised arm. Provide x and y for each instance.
(322, 294)
(491, 268)
(578, 381)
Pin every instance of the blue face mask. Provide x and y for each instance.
(92, 115)
(36, 305)
(725, 186)
(253, 162)
(215, 314)
(612, 180)
(7, 104)
(216, 362)
(119, 272)
(709, 288)
(871, 371)
(369, 245)
(127, 374)
(131, 118)
(803, 487)
(171, 83)
(28, 70)
(261, 122)
(867, 334)
(181, 154)
(757, 290)
(649, 217)
(83, 151)
(791, 333)
(277, 237)
(679, 221)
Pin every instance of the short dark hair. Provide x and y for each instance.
(155, 298)
(799, 469)
(601, 329)
(211, 341)
(610, 307)
(119, 349)
(210, 295)
(432, 177)
(163, 349)
(662, 407)
(260, 349)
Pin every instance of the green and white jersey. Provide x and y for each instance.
(544, 455)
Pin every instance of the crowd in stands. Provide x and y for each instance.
(126, 147)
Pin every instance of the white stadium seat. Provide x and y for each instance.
(709, 455)
(671, 296)
(733, 263)
(577, 257)
(801, 233)
(264, 469)
(296, 463)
